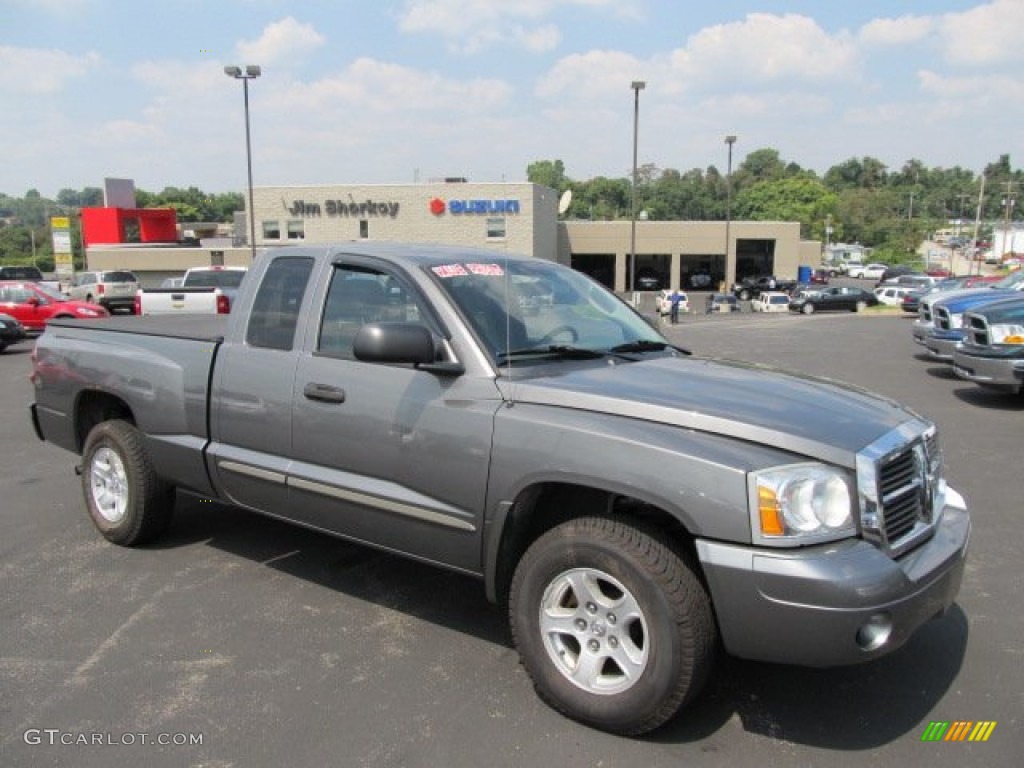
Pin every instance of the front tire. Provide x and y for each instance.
(126, 500)
(861, 306)
(807, 309)
(612, 624)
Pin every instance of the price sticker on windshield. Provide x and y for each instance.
(449, 270)
(491, 270)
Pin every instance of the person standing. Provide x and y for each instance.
(674, 307)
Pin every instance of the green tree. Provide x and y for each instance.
(801, 198)
(548, 173)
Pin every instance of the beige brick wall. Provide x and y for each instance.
(402, 213)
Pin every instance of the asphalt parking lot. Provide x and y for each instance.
(278, 646)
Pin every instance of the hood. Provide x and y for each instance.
(813, 417)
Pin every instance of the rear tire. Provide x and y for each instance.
(807, 309)
(612, 624)
(126, 500)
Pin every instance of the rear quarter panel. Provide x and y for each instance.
(163, 380)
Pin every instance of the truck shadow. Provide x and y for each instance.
(849, 708)
(983, 398)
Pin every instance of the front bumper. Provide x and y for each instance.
(1004, 374)
(822, 606)
(920, 331)
(942, 344)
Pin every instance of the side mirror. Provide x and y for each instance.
(407, 343)
(33, 301)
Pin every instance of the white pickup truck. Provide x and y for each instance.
(204, 291)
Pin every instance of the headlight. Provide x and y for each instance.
(3, 324)
(801, 504)
(1003, 333)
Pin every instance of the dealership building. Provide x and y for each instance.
(503, 217)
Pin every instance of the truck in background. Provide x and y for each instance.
(204, 291)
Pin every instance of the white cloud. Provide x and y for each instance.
(766, 47)
(761, 50)
(987, 34)
(993, 90)
(41, 71)
(385, 88)
(472, 27)
(592, 76)
(902, 31)
(281, 41)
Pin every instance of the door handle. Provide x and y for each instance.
(324, 393)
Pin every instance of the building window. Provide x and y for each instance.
(271, 230)
(496, 228)
(297, 230)
(364, 229)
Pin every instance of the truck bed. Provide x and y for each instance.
(194, 327)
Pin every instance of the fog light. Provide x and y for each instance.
(875, 633)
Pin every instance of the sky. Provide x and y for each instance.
(402, 91)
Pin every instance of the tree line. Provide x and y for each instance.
(25, 221)
(859, 200)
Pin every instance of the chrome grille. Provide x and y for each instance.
(899, 479)
(941, 318)
(925, 310)
(977, 330)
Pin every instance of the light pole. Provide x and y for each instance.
(252, 71)
(637, 86)
(730, 266)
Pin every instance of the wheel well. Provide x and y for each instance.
(542, 507)
(95, 407)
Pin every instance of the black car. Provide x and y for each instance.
(11, 332)
(894, 272)
(911, 302)
(832, 299)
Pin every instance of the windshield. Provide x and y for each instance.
(517, 308)
(216, 278)
(118, 277)
(51, 293)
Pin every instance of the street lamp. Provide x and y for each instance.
(252, 71)
(637, 86)
(730, 266)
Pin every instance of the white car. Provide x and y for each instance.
(892, 294)
(770, 301)
(868, 271)
(665, 302)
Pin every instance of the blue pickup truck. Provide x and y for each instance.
(948, 326)
(992, 353)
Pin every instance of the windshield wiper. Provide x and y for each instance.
(647, 345)
(561, 351)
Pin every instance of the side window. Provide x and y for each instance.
(275, 310)
(358, 295)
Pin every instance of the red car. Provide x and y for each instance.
(33, 305)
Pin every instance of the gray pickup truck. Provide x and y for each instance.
(636, 508)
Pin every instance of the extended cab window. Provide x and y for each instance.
(275, 311)
(359, 295)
